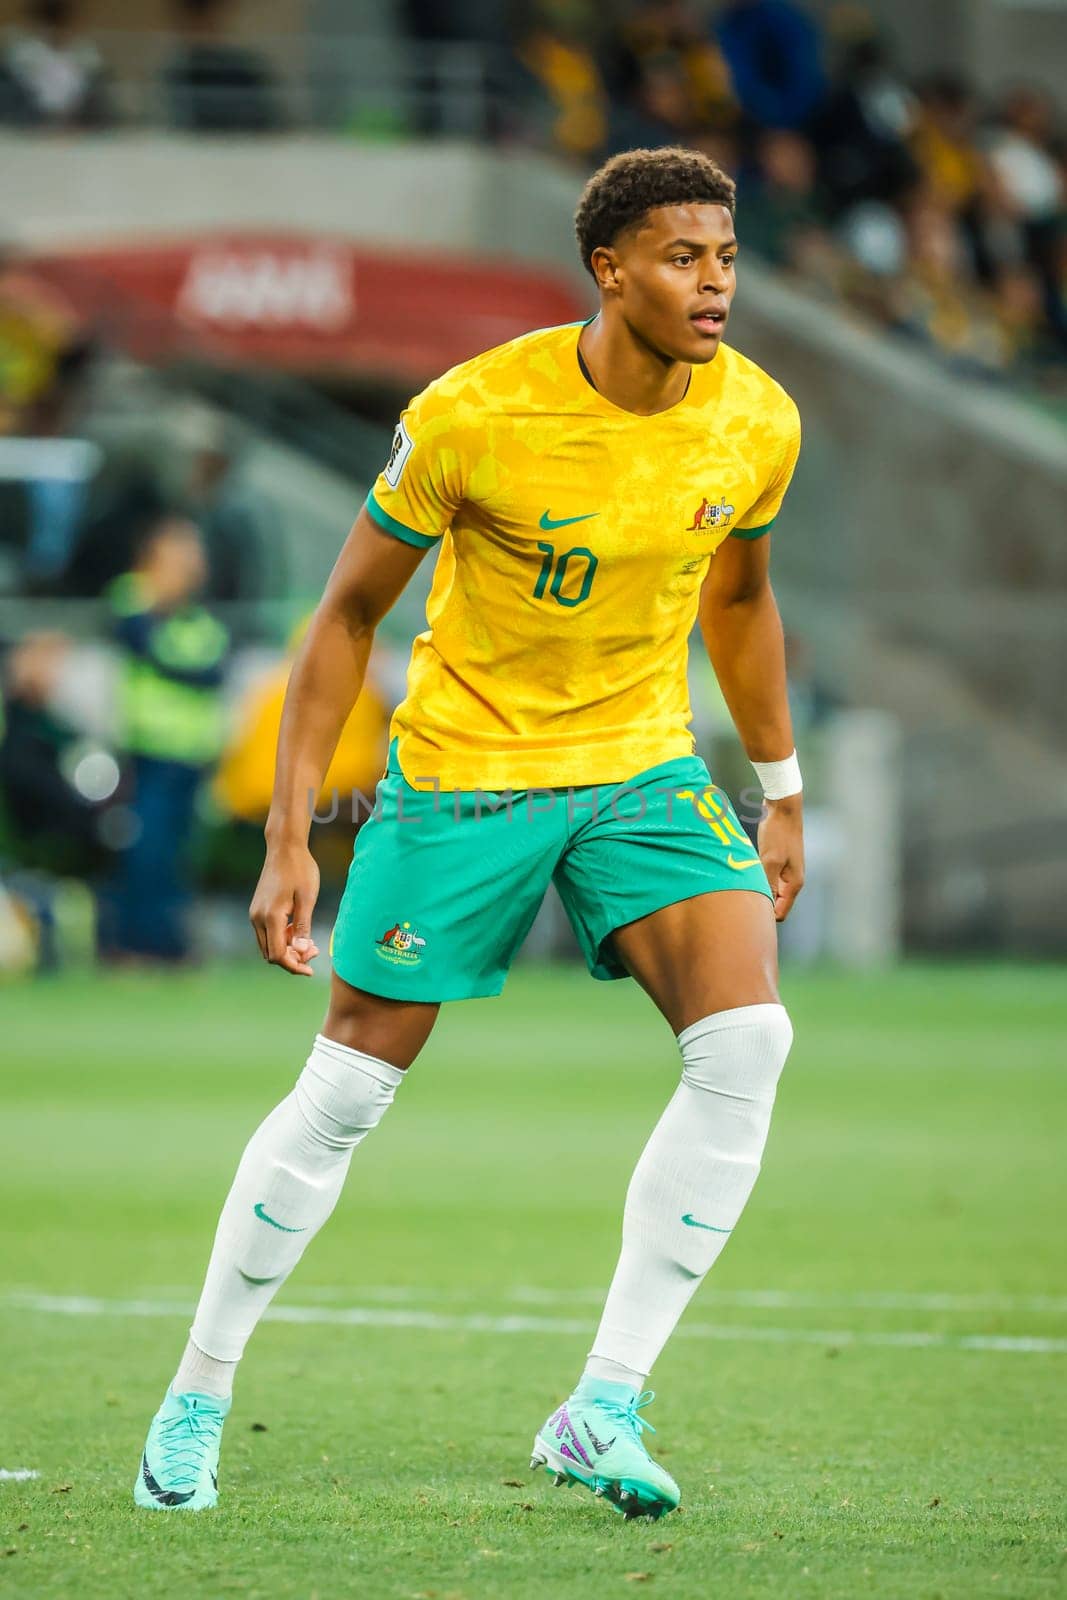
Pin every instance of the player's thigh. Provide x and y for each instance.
(441, 892)
(393, 1030)
(712, 952)
(662, 883)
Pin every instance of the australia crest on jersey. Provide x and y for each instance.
(711, 515)
(401, 945)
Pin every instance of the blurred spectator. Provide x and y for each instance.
(668, 78)
(867, 268)
(1018, 309)
(1021, 153)
(44, 352)
(773, 51)
(53, 816)
(781, 216)
(173, 654)
(659, 109)
(213, 86)
(125, 500)
(242, 542)
(45, 360)
(1031, 183)
(18, 933)
(939, 300)
(50, 76)
(956, 173)
(861, 133)
(565, 93)
(193, 468)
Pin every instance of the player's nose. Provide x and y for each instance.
(715, 281)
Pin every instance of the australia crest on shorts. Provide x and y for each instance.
(401, 945)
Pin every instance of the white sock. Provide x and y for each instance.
(201, 1374)
(287, 1184)
(700, 1163)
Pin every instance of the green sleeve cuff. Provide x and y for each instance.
(752, 533)
(389, 524)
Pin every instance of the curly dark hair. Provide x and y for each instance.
(637, 181)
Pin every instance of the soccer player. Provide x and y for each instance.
(591, 491)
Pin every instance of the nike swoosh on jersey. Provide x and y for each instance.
(263, 1217)
(547, 523)
(691, 1222)
(739, 866)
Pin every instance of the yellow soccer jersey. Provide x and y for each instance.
(574, 540)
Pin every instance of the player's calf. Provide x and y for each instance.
(287, 1184)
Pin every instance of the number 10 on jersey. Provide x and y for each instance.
(554, 568)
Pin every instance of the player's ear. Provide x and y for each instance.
(605, 265)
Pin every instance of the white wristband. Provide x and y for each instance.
(779, 778)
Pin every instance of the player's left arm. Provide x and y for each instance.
(742, 632)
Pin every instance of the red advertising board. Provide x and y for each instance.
(308, 303)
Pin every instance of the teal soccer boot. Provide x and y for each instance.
(180, 1464)
(595, 1439)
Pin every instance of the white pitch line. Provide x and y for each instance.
(19, 1475)
(435, 1322)
(750, 1299)
(844, 1300)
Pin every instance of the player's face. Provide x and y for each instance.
(674, 279)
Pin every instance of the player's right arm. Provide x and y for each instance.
(369, 576)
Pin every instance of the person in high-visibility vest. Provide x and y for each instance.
(171, 727)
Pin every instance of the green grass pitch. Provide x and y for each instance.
(866, 1397)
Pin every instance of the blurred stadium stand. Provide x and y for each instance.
(218, 311)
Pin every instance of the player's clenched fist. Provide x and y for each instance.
(282, 906)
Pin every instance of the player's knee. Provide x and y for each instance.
(738, 1053)
(391, 1030)
(343, 1093)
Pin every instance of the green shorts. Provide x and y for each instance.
(444, 887)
